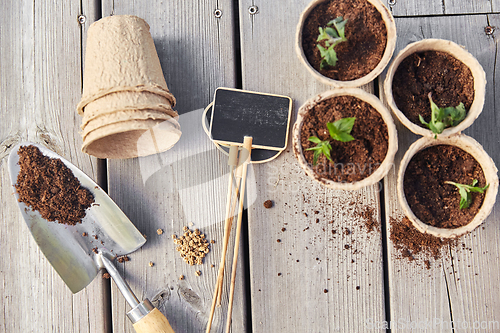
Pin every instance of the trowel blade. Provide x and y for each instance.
(71, 254)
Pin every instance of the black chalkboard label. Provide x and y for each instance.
(240, 113)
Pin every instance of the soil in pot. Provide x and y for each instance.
(354, 160)
(431, 200)
(449, 81)
(366, 35)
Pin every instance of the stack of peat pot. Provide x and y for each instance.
(126, 105)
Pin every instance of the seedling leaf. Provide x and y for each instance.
(322, 147)
(332, 37)
(443, 117)
(341, 129)
(465, 192)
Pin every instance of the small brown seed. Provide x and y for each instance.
(181, 277)
(159, 231)
(151, 264)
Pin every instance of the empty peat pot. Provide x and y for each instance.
(432, 204)
(361, 162)
(439, 67)
(370, 34)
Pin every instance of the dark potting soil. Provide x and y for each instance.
(366, 35)
(449, 81)
(410, 242)
(433, 201)
(48, 186)
(354, 160)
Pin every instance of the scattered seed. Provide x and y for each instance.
(212, 241)
(151, 264)
(268, 204)
(159, 231)
(198, 273)
(212, 265)
(192, 246)
(283, 229)
(85, 234)
(358, 287)
(174, 236)
(95, 250)
(121, 259)
(325, 291)
(106, 276)
(181, 277)
(279, 274)
(185, 228)
(278, 240)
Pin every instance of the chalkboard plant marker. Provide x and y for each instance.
(435, 168)
(426, 67)
(335, 57)
(352, 164)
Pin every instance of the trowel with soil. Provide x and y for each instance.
(77, 226)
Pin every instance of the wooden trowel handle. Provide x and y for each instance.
(153, 322)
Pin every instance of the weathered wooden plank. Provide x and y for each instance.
(308, 281)
(458, 288)
(40, 56)
(441, 7)
(188, 183)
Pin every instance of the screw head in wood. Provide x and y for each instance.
(489, 30)
(82, 19)
(253, 9)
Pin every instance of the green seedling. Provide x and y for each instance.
(339, 131)
(443, 117)
(332, 36)
(465, 192)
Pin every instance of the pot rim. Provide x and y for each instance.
(386, 57)
(472, 147)
(459, 53)
(386, 164)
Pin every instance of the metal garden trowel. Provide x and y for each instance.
(77, 258)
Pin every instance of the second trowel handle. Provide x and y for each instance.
(144, 316)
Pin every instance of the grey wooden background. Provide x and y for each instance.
(307, 282)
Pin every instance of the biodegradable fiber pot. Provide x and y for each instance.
(386, 57)
(392, 144)
(458, 53)
(470, 146)
(126, 105)
(121, 56)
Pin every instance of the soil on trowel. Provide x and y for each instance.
(366, 35)
(49, 186)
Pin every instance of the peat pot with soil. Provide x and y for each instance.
(435, 87)
(345, 139)
(345, 43)
(447, 186)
